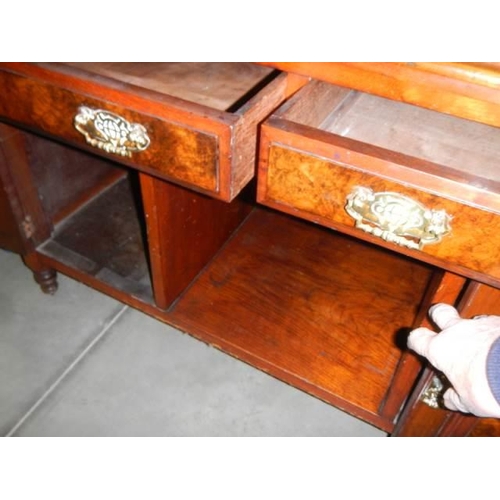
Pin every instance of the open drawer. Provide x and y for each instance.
(191, 123)
(410, 179)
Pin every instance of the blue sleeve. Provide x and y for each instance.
(493, 369)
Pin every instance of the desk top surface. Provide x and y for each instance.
(466, 90)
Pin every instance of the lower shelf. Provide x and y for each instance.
(319, 310)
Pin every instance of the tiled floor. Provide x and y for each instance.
(81, 364)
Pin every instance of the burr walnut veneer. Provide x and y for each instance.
(299, 216)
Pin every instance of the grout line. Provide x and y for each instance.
(51, 389)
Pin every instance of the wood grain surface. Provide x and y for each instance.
(466, 90)
(317, 309)
(316, 188)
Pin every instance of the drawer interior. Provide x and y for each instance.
(468, 151)
(221, 86)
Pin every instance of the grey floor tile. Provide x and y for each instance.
(41, 335)
(146, 379)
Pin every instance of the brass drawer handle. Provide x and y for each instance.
(110, 132)
(397, 218)
(433, 394)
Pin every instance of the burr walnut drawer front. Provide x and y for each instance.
(413, 180)
(191, 123)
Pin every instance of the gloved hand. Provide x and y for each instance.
(460, 351)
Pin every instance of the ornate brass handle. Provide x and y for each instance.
(397, 218)
(433, 394)
(110, 132)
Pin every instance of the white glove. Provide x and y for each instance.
(460, 351)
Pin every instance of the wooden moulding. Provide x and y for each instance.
(208, 150)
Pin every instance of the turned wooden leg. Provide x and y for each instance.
(45, 276)
(47, 279)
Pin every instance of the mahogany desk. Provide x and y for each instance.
(299, 216)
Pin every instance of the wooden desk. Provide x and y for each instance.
(137, 180)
